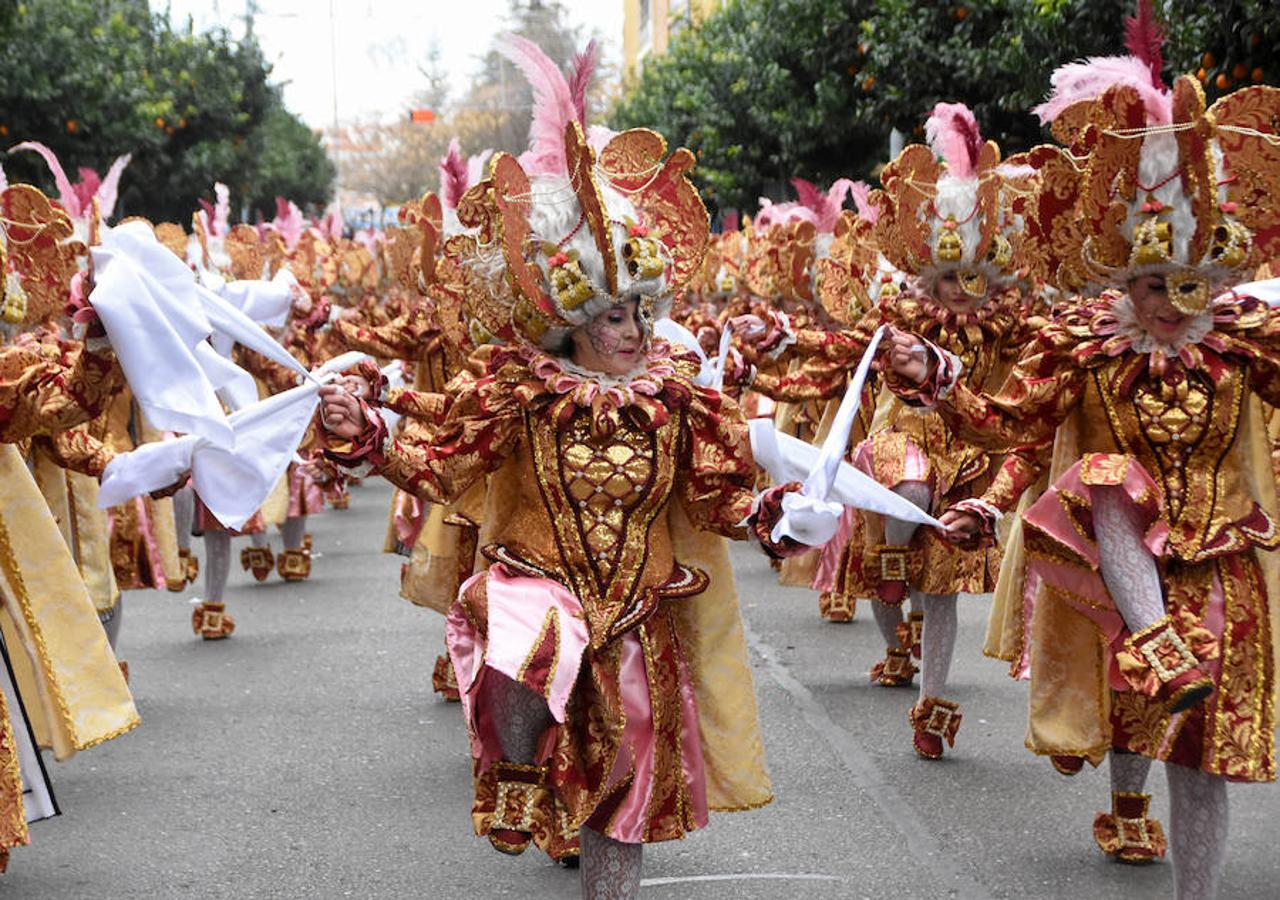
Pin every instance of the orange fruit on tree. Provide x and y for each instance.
(1257, 75)
(1202, 75)
(1222, 81)
(1207, 60)
(1238, 71)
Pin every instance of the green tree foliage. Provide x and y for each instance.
(767, 89)
(94, 79)
(761, 91)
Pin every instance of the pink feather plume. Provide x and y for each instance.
(584, 65)
(952, 133)
(221, 208)
(289, 222)
(553, 107)
(1089, 80)
(454, 176)
(110, 188)
(476, 167)
(66, 193)
(824, 206)
(1144, 38)
(861, 192)
(732, 221)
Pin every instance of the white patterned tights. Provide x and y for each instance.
(610, 869)
(1198, 819)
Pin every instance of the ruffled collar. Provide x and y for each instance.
(646, 395)
(1114, 325)
(994, 317)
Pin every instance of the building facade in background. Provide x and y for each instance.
(649, 25)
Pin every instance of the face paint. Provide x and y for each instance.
(613, 330)
(612, 341)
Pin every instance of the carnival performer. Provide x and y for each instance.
(944, 223)
(58, 666)
(1154, 532)
(588, 693)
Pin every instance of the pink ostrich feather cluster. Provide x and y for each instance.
(952, 133)
(77, 199)
(825, 207)
(1090, 79)
(557, 101)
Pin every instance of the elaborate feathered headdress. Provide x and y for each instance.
(585, 224)
(940, 205)
(89, 201)
(1168, 186)
(39, 256)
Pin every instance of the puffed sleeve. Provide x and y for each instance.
(717, 472)
(404, 337)
(78, 449)
(479, 432)
(53, 386)
(822, 363)
(1044, 387)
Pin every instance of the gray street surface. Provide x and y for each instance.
(306, 757)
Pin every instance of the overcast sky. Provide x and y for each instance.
(379, 44)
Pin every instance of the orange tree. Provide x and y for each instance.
(95, 79)
(766, 89)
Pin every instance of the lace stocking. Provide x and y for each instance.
(259, 539)
(217, 564)
(184, 510)
(1129, 772)
(294, 531)
(610, 869)
(887, 620)
(518, 714)
(938, 643)
(1198, 831)
(1127, 567)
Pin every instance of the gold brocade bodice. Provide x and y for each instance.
(592, 514)
(986, 362)
(1184, 434)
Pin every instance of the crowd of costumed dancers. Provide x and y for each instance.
(1050, 377)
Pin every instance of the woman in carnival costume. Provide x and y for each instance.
(1150, 595)
(950, 225)
(603, 676)
(62, 686)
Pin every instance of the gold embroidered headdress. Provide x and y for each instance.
(1165, 186)
(583, 225)
(940, 206)
(39, 256)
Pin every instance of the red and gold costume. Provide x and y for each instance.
(64, 670)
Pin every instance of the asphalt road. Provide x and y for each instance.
(306, 757)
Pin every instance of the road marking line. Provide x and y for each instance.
(923, 849)
(741, 876)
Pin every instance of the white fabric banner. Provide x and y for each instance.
(139, 288)
(812, 515)
(233, 482)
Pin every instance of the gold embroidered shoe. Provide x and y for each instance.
(443, 680)
(258, 560)
(1165, 660)
(933, 721)
(517, 797)
(911, 632)
(1126, 833)
(210, 621)
(895, 670)
(294, 565)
